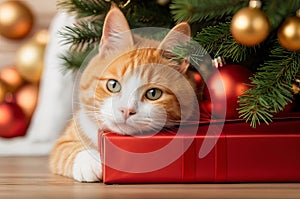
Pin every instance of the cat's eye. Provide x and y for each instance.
(113, 86)
(153, 94)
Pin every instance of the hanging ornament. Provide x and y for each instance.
(228, 82)
(30, 59)
(296, 86)
(26, 98)
(11, 78)
(16, 20)
(12, 120)
(250, 26)
(205, 110)
(289, 33)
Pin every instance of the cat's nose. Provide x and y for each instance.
(126, 112)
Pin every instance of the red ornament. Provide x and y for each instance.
(205, 110)
(223, 88)
(12, 120)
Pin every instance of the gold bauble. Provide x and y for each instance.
(295, 88)
(27, 98)
(30, 60)
(250, 26)
(16, 20)
(11, 78)
(289, 34)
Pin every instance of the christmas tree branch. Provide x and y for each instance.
(82, 8)
(142, 15)
(84, 34)
(197, 10)
(271, 87)
(275, 15)
(74, 59)
(218, 41)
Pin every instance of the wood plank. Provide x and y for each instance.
(28, 177)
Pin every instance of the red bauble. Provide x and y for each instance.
(223, 88)
(205, 110)
(12, 120)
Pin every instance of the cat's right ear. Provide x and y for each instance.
(116, 34)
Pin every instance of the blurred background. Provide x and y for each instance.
(33, 89)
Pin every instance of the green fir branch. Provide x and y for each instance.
(271, 87)
(74, 59)
(83, 8)
(199, 10)
(142, 15)
(84, 34)
(275, 15)
(218, 41)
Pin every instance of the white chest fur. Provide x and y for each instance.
(89, 128)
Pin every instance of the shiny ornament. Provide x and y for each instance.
(296, 86)
(30, 60)
(27, 98)
(296, 89)
(16, 20)
(205, 110)
(250, 26)
(226, 83)
(12, 120)
(289, 33)
(11, 78)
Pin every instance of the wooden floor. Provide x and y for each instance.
(28, 177)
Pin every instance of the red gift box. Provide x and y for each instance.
(233, 152)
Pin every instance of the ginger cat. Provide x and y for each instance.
(132, 86)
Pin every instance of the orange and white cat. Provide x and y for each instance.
(131, 86)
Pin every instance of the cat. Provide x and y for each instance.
(132, 86)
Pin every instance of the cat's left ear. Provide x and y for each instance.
(116, 34)
(180, 34)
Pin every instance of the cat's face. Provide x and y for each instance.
(138, 91)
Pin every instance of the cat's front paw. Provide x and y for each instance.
(87, 166)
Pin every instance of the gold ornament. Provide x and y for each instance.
(11, 78)
(295, 86)
(27, 98)
(289, 33)
(16, 20)
(250, 26)
(30, 59)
